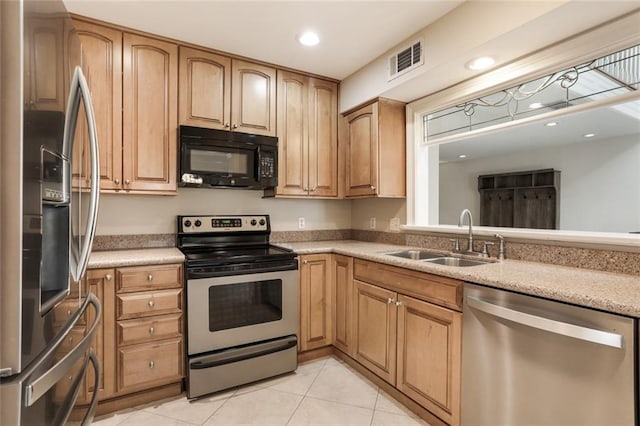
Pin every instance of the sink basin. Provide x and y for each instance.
(456, 261)
(416, 254)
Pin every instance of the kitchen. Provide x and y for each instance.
(132, 220)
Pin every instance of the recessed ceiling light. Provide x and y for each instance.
(480, 63)
(309, 38)
(551, 124)
(589, 135)
(462, 156)
(536, 105)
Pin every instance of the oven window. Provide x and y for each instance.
(223, 162)
(242, 304)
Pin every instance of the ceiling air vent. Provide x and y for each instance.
(405, 60)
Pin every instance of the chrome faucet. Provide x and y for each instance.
(464, 213)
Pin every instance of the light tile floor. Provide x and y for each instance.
(324, 391)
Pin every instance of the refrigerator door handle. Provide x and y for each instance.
(558, 327)
(34, 389)
(80, 90)
(68, 404)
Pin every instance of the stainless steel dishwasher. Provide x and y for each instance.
(531, 361)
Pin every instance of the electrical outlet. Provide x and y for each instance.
(372, 223)
(394, 224)
(301, 223)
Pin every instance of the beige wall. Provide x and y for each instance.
(382, 209)
(152, 214)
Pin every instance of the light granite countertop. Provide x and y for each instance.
(119, 258)
(606, 291)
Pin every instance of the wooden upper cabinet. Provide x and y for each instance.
(150, 88)
(205, 89)
(253, 98)
(102, 67)
(44, 79)
(223, 93)
(376, 150)
(307, 136)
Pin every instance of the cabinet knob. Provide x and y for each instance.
(152, 330)
(235, 126)
(226, 125)
(149, 277)
(373, 188)
(152, 364)
(116, 181)
(127, 181)
(314, 189)
(68, 312)
(304, 262)
(151, 303)
(70, 339)
(108, 277)
(390, 300)
(398, 303)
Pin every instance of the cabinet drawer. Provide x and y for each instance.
(149, 329)
(149, 364)
(137, 278)
(147, 303)
(64, 310)
(432, 288)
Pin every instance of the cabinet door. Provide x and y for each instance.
(315, 301)
(343, 303)
(102, 66)
(323, 138)
(253, 98)
(362, 152)
(375, 329)
(292, 134)
(101, 283)
(150, 85)
(429, 350)
(205, 89)
(43, 62)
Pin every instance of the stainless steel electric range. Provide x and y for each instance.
(242, 302)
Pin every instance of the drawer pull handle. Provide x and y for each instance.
(152, 330)
(149, 277)
(151, 303)
(152, 364)
(108, 277)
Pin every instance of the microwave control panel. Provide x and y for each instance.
(267, 165)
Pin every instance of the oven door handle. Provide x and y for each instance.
(268, 349)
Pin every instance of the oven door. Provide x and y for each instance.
(223, 312)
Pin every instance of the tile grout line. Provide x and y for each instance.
(375, 404)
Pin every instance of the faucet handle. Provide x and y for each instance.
(485, 252)
(456, 245)
(501, 249)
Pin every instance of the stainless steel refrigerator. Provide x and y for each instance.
(49, 187)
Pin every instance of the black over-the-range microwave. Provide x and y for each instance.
(221, 158)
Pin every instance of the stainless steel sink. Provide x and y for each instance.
(456, 261)
(416, 254)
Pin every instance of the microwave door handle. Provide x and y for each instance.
(68, 404)
(80, 91)
(35, 389)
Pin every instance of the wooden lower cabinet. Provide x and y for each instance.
(410, 342)
(316, 328)
(342, 303)
(375, 322)
(139, 341)
(428, 361)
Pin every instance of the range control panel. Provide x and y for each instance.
(224, 223)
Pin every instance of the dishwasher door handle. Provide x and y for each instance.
(558, 327)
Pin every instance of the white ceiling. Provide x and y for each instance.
(352, 33)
